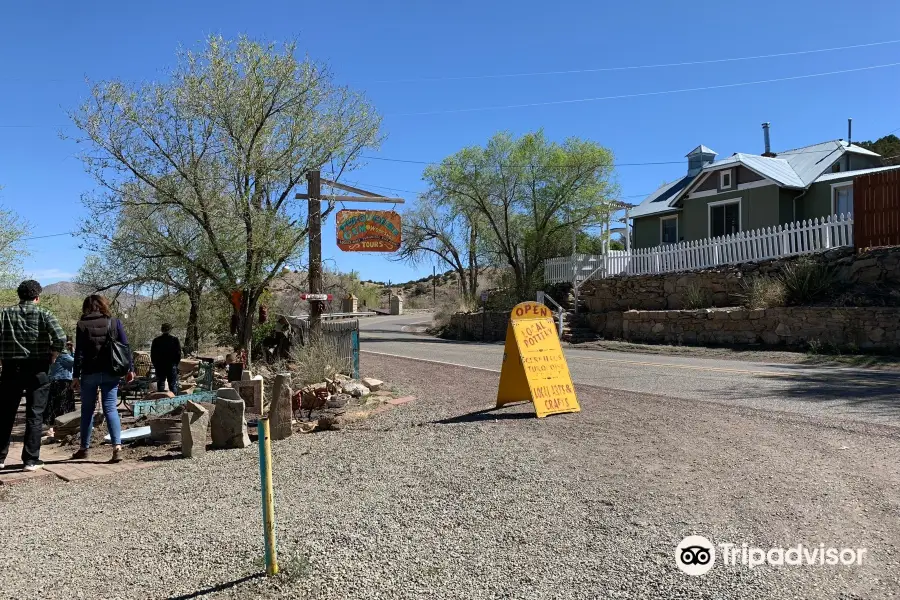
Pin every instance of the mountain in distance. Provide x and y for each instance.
(69, 289)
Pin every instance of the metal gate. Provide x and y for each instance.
(343, 333)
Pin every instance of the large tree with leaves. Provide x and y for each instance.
(132, 250)
(222, 143)
(13, 231)
(528, 194)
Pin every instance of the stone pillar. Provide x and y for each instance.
(349, 304)
(397, 304)
(194, 422)
(280, 409)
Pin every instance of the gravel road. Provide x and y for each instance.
(435, 499)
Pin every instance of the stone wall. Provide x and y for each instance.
(866, 328)
(722, 286)
(485, 327)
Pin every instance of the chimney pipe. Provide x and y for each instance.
(768, 151)
(849, 131)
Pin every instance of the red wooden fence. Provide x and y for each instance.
(876, 209)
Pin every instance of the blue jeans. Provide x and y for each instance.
(164, 374)
(109, 390)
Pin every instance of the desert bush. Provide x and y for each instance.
(761, 291)
(806, 281)
(446, 309)
(695, 297)
(317, 359)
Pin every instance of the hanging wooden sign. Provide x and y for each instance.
(534, 366)
(368, 230)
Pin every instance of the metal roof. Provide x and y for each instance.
(811, 161)
(776, 169)
(658, 201)
(796, 168)
(701, 149)
(852, 174)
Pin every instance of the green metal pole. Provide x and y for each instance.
(268, 497)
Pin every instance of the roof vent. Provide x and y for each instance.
(698, 158)
(768, 153)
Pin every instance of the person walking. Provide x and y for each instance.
(93, 371)
(165, 354)
(30, 340)
(62, 396)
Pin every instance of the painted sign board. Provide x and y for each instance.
(534, 366)
(320, 297)
(368, 230)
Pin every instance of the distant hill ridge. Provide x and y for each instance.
(69, 289)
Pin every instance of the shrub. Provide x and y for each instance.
(806, 281)
(695, 297)
(761, 291)
(317, 359)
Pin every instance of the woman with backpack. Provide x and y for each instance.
(99, 362)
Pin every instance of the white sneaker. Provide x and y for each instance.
(2, 466)
(35, 466)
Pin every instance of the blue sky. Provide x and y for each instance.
(50, 47)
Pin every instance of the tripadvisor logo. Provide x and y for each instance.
(696, 555)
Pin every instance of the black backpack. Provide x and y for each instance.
(119, 354)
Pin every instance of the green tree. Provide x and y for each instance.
(132, 249)
(13, 230)
(888, 147)
(529, 193)
(222, 143)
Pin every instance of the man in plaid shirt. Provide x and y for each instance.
(30, 340)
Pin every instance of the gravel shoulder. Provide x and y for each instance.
(439, 499)
(787, 357)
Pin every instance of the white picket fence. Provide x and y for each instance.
(802, 237)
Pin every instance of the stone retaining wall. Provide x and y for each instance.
(485, 327)
(867, 328)
(722, 286)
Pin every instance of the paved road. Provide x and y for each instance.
(851, 393)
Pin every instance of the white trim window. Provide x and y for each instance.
(842, 198)
(724, 217)
(726, 179)
(668, 230)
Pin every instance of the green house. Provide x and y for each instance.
(746, 192)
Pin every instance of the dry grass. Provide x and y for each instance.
(806, 281)
(695, 297)
(761, 291)
(317, 360)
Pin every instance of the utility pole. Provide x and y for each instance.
(314, 189)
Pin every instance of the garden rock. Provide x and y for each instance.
(373, 384)
(228, 393)
(229, 429)
(356, 389)
(194, 423)
(339, 400)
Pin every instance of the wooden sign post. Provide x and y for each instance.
(534, 367)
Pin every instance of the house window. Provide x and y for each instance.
(725, 180)
(842, 199)
(724, 218)
(668, 229)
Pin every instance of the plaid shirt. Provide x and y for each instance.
(29, 331)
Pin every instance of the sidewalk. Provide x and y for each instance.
(57, 463)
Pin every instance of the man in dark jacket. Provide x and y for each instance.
(30, 341)
(165, 354)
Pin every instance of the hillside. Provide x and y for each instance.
(69, 289)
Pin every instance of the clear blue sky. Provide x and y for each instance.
(49, 47)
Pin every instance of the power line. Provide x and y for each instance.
(636, 67)
(645, 94)
(40, 237)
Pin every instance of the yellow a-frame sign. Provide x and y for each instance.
(534, 367)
